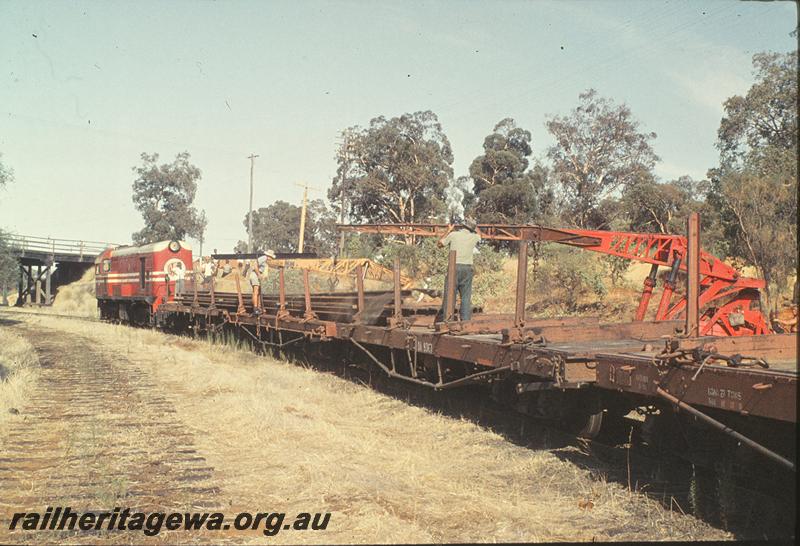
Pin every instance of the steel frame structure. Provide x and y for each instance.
(730, 298)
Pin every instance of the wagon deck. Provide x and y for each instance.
(558, 353)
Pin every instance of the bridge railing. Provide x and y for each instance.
(28, 244)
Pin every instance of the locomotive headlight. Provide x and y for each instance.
(174, 246)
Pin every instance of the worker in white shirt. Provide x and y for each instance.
(258, 271)
(179, 274)
(463, 241)
(208, 269)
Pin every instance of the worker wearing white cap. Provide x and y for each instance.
(262, 261)
(257, 272)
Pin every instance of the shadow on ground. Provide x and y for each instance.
(615, 455)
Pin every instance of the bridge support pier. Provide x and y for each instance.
(37, 285)
(19, 286)
(48, 298)
(26, 284)
(34, 288)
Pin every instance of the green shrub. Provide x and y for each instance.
(420, 260)
(616, 268)
(427, 263)
(491, 281)
(564, 277)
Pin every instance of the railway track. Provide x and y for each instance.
(97, 432)
(14, 311)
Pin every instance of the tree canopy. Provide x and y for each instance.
(6, 173)
(164, 194)
(760, 128)
(599, 151)
(758, 215)
(656, 207)
(8, 264)
(755, 187)
(505, 156)
(505, 189)
(277, 227)
(9, 267)
(400, 171)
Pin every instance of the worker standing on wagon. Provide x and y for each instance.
(263, 268)
(463, 241)
(208, 270)
(179, 273)
(258, 271)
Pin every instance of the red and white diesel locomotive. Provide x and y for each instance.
(132, 281)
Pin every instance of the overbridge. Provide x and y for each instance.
(46, 263)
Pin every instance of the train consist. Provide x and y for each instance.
(711, 380)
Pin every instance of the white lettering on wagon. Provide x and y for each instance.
(424, 346)
(724, 398)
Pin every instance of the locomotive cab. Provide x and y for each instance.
(132, 281)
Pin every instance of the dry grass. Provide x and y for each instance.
(18, 371)
(77, 298)
(286, 438)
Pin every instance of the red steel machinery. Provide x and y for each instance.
(730, 302)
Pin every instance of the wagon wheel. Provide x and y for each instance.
(584, 420)
(587, 425)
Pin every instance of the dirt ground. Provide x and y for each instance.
(134, 418)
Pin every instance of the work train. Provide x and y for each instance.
(575, 371)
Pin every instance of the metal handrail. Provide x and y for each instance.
(34, 238)
(25, 243)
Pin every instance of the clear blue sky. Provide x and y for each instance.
(85, 87)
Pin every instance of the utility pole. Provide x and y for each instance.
(252, 158)
(303, 216)
(303, 220)
(204, 221)
(344, 150)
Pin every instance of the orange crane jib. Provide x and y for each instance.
(653, 248)
(718, 279)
